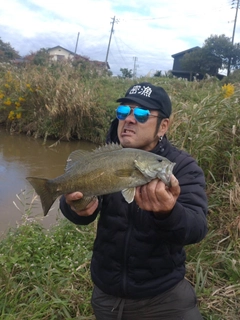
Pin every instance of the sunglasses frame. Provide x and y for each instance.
(138, 117)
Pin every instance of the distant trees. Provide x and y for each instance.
(7, 52)
(158, 73)
(218, 52)
(126, 73)
(40, 57)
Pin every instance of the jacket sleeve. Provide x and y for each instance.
(187, 222)
(73, 216)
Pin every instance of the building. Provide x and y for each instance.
(59, 53)
(178, 72)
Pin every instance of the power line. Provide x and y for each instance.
(119, 50)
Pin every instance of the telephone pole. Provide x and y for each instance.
(235, 20)
(233, 34)
(76, 44)
(106, 60)
(135, 67)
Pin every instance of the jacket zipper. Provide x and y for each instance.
(127, 244)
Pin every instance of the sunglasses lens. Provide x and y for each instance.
(123, 112)
(141, 115)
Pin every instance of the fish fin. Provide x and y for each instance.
(83, 155)
(76, 156)
(129, 194)
(108, 148)
(83, 202)
(41, 187)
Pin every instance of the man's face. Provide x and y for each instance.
(133, 134)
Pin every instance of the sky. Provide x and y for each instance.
(146, 33)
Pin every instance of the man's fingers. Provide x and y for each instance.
(174, 186)
(73, 196)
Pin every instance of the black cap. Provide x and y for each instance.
(149, 96)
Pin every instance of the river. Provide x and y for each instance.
(22, 156)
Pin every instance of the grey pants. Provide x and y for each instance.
(178, 303)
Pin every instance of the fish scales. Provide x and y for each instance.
(93, 175)
(108, 169)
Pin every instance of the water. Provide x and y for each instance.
(22, 156)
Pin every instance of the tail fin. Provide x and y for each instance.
(41, 187)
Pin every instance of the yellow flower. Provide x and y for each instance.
(228, 90)
(11, 115)
(7, 102)
(1, 95)
(17, 104)
(7, 85)
(19, 115)
(21, 99)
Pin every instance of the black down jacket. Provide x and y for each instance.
(136, 255)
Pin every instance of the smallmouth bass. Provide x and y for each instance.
(108, 169)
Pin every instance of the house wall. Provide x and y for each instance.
(177, 63)
(58, 54)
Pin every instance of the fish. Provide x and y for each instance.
(107, 169)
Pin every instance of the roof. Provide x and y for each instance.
(185, 51)
(61, 48)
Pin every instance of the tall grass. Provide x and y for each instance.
(45, 274)
(59, 102)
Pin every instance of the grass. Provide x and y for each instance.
(44, 274)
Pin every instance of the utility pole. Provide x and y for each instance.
(106, 60)
(76, 44)
(235, 20)
(233, 35)
(134, 67)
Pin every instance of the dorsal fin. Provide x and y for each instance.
(108, 148)
(77, 155)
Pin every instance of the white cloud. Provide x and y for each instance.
(150, 31)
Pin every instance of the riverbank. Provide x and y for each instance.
(22, 156)
(205, 122)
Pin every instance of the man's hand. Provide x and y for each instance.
(90, 208)
(155, 196)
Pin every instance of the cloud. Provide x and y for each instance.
(146, 34)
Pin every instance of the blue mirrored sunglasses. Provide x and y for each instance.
(141, 115)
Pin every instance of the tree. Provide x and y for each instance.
(40, 57)
(201, 61)
(158, 73)
(126, 73)
(7, 52)
(217, 52)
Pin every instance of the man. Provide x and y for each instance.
(138, 262)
